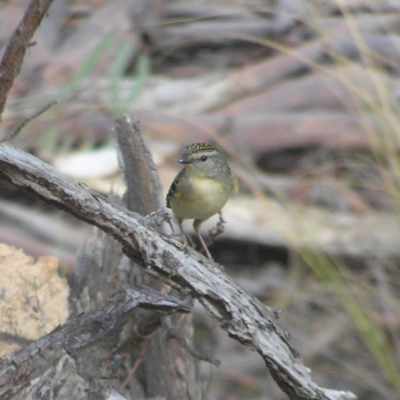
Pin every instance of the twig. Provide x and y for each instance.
(9, 337)
(244, 317)
(10, 65)
(134, 368)
(193, 352)
(27, 120)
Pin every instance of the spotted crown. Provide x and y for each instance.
(198, 147)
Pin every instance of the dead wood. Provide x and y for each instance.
(78, 359)
(243, 317)
(161, 370)
(12, 59)
(140, 173)
(218, 32)
(155, 370)
(272, 223)
(254, 135)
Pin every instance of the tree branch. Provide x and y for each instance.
(244, 317)
(159, 371)
(13, 56)
(77, 360)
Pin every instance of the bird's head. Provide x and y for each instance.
(203, 158)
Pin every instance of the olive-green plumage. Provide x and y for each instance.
(202, 188)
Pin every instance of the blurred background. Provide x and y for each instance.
(301, 96)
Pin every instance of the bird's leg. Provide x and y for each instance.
(217, 230)
(196, 226)
(204, 247)
(184, 240)
(157, 218)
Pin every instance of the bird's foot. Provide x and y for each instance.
(157, 218)
(217, 230)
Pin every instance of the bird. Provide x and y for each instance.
(201, 188)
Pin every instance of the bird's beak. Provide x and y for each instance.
(184, 160)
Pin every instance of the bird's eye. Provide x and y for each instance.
(203, 158)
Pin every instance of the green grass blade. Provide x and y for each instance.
(117, 70)
(90, 63)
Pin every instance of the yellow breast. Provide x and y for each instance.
(201, 199)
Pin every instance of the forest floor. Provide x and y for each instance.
(302, 97)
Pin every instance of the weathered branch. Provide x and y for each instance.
(243, 317)
(12, 59)
(27, 120)
(159, 372)
(140, 173)
(78, 359)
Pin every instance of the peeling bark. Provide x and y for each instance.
(77, 360)
(241, 315)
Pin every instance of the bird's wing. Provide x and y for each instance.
(174, 187)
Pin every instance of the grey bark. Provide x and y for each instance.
(77, 360)
(241, 315)
(155, 368)
(11, 62)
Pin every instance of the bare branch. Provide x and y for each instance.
(77, 360)
(140, 172)
(21, 39)
(244, 317)
(27, 120)
(144, 196)
(175, 335)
